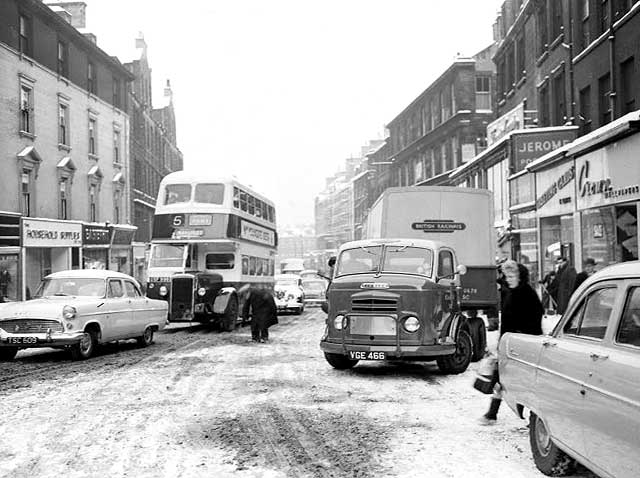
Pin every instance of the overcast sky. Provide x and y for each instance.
(280, 92)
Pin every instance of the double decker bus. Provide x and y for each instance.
(212, 239)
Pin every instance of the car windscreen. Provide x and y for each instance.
(167, 255)
(315, 286)
(209, 193)
(177, 193)
(71, 286)
(408, 260)
(286, 282)
(359, 260)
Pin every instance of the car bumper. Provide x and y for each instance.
(314, 301)
(41, 339)
(288, 305)
(392, 351)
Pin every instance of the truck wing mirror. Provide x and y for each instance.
(332, 261)
(325, 307)
(460, 270)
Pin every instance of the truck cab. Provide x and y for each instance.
(397, 299)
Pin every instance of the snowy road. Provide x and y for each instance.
(208, 404)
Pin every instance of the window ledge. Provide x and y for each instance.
(542, 57)
(117, 165)
(511, 92)
(94, 157)
(554, 44)
(64, 147)
(27, 134)
(63, 79)
(522, 80)
(502, 102)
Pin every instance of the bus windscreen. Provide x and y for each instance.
(167, 255)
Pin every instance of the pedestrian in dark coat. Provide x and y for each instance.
(588, 270)
(263, 311)
(566, 276)
(521, 312)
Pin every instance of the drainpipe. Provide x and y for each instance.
(572, 96)
(612, 76)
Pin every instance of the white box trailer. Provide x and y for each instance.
(459, 217)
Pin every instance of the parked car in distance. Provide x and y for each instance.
(79, 309)
(289, 295)
(315, 291)
(580, 382)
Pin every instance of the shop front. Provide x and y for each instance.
(96, 241)
(555, 206)
(10, 287)
(121, 252)
(48, 246)
(608, 195)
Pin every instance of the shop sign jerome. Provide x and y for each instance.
(37, 233)
(530, 146)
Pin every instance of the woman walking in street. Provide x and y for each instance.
(521, 312)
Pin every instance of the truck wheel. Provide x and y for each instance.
(230, 318)
(549, 459)
(8, 353)
(340, 362)
(460, 359)
(479, 338)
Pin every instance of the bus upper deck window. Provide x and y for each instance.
(177, 193)
(209, 193)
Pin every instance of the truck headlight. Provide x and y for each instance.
(202, 291)
(69, 312)
(411, 324)
(163, 290)
(339, 322)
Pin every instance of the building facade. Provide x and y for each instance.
(153, 147)
(64, 134)
(444, 126)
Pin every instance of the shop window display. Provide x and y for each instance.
(8, 277)
(610, 234)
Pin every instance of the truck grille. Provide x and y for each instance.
(30, 326)
(181, 296)
(371, 325)
(375, 304)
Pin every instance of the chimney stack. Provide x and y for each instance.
(72, 12)
(167, 90)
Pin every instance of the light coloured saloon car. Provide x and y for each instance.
(581, 383)
(79, 309)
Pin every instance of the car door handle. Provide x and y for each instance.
(549, 343)
(596, 356)
(514, 353)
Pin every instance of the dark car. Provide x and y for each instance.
(315, 291)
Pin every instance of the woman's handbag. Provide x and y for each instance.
(486, 378)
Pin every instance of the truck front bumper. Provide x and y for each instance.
(392, 351)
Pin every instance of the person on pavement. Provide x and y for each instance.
(566, 277)
(262, 307)
(521, 312)
(589, 267)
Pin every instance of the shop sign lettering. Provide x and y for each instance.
(43, 233)
(96, 235)
(531, 146)
(556, 186)
(604, 186)
(253, 232)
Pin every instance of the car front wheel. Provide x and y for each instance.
(86, 347)
(549, 459)
(8, 353)
(146, 338)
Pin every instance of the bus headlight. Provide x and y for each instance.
(411, 324)
(339, 322)
(163, 290)
(69, 312)
(202, 291)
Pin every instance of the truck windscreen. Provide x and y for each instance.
(359, 260)
(408, 260)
